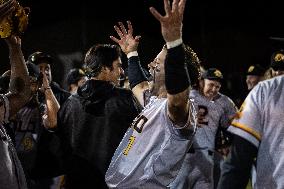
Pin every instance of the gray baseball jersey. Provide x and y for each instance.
(197, 169)
(152, 150)
(260, 121)
(11, 172)
(212, 114)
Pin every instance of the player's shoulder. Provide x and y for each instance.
(224, 99)
(155, 102)
(272, 83)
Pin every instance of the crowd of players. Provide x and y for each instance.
(169, 127)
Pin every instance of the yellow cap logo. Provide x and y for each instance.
(279, 57)
(81, 72)
(251, 68)
(217, 73)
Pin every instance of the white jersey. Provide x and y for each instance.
(260, 121)
(197, 169)
(212, 114)
(152, 150)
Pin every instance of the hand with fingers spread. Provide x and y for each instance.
(127, 42)
(7, 8)
(171, 23)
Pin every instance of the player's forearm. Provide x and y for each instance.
(19, 74)
(176, 82)
(137, 78)
(52, 106)
(19, 86)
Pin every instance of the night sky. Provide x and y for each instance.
(229, 35)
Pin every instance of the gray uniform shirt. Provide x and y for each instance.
(213, 114)
(11, 172)
(261, 123)
(197, 169)
(152, 151)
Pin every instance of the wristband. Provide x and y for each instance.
(176, 78)
(174, 43)
(133, 53)
(136, 74)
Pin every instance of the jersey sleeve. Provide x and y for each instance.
(229, 112)
(248, 122)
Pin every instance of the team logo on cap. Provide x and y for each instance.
(279, 57)
(217, 73)
(251, 68)
(81, 72)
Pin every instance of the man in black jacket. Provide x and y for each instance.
(92, 122)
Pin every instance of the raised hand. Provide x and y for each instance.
(13, 41)
(7, 8)
(45, 83)
(127, 42)
(171, 23)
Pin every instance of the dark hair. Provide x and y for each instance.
(193, 65)
(74, 75)
(98, 56)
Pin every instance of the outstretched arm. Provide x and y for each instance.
(129, 44)
(19, 88)
(176, 80)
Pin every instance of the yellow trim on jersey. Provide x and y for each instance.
(247, 129)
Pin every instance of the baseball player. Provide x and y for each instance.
(254, 75)
(258, 133)
(215, 111)
(277, 63)
(11, 172)
(153, 149)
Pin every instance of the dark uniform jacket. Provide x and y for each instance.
(91, 125)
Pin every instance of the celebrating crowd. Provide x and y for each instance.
(165, 127)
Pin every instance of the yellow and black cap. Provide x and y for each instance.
(277, 60)
(212, 74)
(256, 70)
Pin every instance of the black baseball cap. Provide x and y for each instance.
(212, 74)
(33, 70)
(38, 57)
(256, 70)
(277, 60)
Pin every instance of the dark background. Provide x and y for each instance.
(229, 35)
